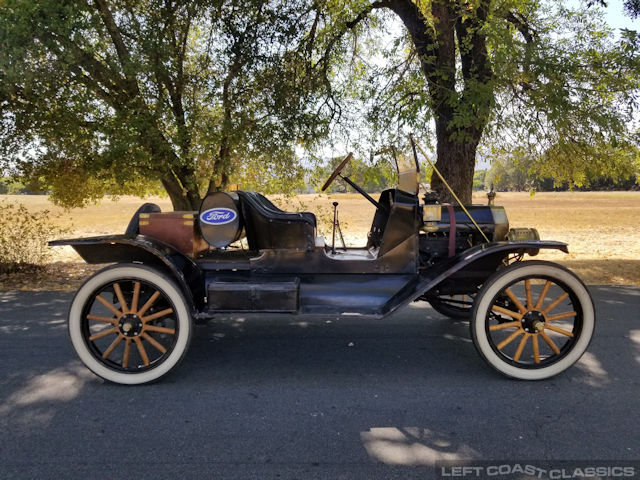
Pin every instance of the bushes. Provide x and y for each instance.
(24, 236)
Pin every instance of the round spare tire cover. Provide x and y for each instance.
(219, 219)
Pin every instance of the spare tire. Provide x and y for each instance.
(220, 220)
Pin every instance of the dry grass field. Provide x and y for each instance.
(601, 228)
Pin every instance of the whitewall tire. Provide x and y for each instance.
(532, 320)
(130, 324)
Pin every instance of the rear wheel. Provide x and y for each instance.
(532, 320)
(129, 324)
(457, 306)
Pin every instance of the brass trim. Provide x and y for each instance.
(435, 169)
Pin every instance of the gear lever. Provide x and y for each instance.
(336, 224)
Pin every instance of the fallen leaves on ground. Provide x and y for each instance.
(58, 276)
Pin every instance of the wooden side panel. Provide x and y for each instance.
(178, 229)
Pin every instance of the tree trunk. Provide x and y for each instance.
(456, 162)
(435, 43)
(182, 199)
(178, 179)
(222, 164)
(220, 178)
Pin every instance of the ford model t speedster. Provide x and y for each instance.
(132, 322)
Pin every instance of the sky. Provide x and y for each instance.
(616, 17)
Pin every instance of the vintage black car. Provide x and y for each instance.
(132, 322)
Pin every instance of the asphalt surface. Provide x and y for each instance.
(275, 398)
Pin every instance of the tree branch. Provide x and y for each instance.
(113, 30)
(522, 25)
(102, 76)
(365, 13)
(118, 43)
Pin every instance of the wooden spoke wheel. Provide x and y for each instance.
(129, 324)
(454, 306)
(532, 320)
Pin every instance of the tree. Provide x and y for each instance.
(371, 176)
(519, 171)
(479, 180)
(125, 95)
(511, 173)
(120, 96)
(509, 74)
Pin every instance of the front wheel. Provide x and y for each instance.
(532, 320)
(130, 324)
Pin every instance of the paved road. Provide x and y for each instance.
(276, 398)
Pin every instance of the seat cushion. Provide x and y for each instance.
(268, 204)
(268, 227)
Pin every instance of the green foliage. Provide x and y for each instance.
(510, 174)
(553, 81)
(607, 167)
(130, 97)
(479, 178)
(372, 176)
(121, 97)
(24, 235)
(631, 7)
(12, 187)
(580, 164)
(569, 95)
(257, 174)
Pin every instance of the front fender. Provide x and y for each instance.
(490, 253)
(145, 250)
(480, 262)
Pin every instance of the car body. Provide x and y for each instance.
(132, 322)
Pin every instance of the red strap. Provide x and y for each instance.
(452, 229)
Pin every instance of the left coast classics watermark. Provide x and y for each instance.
(541, 470)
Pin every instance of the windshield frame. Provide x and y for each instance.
(408, 171)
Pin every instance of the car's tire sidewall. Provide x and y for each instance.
(507, 276)
(133, 272)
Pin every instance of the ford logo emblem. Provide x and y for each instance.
(218, 216)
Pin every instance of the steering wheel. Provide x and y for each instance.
(337, 171)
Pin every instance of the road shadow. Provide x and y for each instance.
(276, 397)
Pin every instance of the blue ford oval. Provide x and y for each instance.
(218, 216)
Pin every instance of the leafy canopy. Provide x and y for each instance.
(125, 96)
(563, 87)
(131, 96)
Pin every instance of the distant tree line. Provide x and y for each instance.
(521, 171)
(11, 187)
(371, 176)
(520, 181)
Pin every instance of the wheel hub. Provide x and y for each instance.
(533, 321)
(130, 325)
